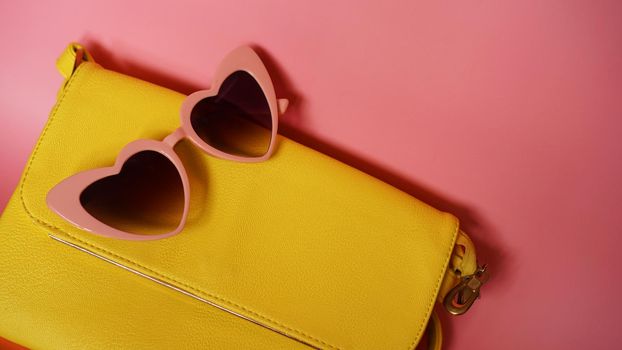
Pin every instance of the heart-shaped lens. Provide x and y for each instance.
(237, 121)
(146, 197)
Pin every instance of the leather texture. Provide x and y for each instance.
(302, 244)
(55, 297)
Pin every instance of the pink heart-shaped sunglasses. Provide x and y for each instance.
(235, 119)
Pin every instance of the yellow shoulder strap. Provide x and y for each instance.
(71, 58)
(435, 333)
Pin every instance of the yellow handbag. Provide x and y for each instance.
(300, 251)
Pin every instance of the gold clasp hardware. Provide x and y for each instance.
(462, 296)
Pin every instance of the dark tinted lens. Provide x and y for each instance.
(236, 121)
(146, 197)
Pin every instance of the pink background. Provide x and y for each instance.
(506, 113)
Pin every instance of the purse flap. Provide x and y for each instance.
(301, 244)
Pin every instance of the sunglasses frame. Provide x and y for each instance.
(64, 198)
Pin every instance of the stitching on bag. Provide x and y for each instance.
(54, 111)
(413, 345)
(183, 284)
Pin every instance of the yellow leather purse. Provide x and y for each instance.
(300, 251)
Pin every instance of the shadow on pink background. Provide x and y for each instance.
(507, 114)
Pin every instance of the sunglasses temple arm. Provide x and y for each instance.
(282, 103)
